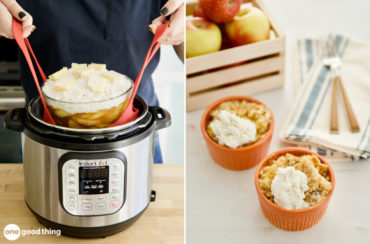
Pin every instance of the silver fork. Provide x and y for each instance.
(332, 60)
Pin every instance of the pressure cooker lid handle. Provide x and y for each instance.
(162, 117)
(14, 119)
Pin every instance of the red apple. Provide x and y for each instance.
(220, 11)
(249, 25)
(198, 12)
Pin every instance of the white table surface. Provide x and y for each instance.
(222, 205)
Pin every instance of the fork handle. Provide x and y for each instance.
(334, 108)
(355, 127)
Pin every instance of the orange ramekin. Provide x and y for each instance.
(239, 158)
(297, 219)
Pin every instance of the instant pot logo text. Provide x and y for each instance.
(92, 162)
(12, 232)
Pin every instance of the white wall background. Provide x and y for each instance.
(169, 85)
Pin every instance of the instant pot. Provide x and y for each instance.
(88, 182)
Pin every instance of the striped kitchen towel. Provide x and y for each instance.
(308, 123)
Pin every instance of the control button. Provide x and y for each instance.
(115, 189)
(116, 182)
(115, 175)
(86, 199)
(71, 175)
(71, 190)
(72, 205)
(101, 198)
(100, 186)
(115, 196)
(115, 167)
(71, 183)
(100, 205)
(87, 206)
(94, 186)
(72, 198)
(115, 204)
(71, 166)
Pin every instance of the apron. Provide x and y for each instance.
(114, 32)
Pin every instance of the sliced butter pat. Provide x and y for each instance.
(82, 72)
(97, 66)
(76, 66)
(59, 74)
(64, 84)
(113, 76)
(96, 84)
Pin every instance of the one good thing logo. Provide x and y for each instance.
(12, 232)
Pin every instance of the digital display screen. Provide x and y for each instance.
(94, 180)
(89, 173)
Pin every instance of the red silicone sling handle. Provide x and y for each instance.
(43, 76)
(130, 113)
(23, 43)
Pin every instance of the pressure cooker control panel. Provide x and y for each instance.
(92, 183)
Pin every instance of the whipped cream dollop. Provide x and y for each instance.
(233, 131)
(86, 88)
(288, 188)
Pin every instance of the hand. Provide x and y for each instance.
(174, 34)
(10, 9)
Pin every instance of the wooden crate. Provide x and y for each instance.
(242, 70)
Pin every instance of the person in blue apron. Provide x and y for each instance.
(115, 32)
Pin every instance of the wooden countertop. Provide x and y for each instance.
(162, 222)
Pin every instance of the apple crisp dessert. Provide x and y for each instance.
(318, 180)
(245, 110)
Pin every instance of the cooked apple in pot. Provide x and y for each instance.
(86, 96)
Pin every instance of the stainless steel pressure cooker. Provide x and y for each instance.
(87, 182)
